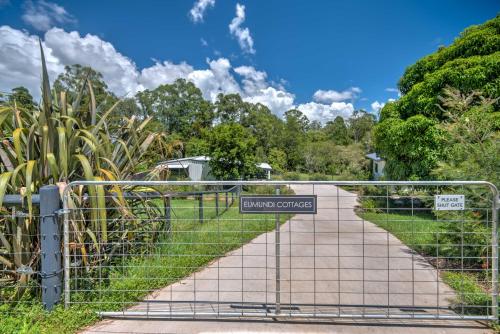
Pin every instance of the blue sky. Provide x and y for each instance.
(352, 52)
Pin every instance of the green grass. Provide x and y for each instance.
(469, 292)
(190, 246)
(420, 232)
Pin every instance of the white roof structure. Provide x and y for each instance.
(374, 156)
(264, 165)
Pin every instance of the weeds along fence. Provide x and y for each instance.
(31, 268)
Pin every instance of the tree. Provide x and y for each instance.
(266, 127)
(277, 160)
(471, 63)
(232, 151)
(179, 106)
(22, 97)
(96, 91)
(360, 124)
(337, 131)
(294, 136)
(231, 108)
(411, 147)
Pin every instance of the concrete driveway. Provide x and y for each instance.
(333, 260)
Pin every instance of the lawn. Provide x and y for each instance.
(190, 245)
(419, 232)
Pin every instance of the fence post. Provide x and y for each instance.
(216, 204)
(50, 246)
(200, 206)
(227, 200)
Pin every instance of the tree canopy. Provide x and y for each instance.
(410, 133)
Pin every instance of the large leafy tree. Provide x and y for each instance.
(471, 63)
(232, 151)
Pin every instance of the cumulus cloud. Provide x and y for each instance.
(243, 36)
(20, 60)
(43, 15)
(326, 112)
(329, 96)
(376, 106)
(19, 57)
(198, 11)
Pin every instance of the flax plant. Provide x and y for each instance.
(55, 143)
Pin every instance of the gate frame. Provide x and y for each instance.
(494, 240)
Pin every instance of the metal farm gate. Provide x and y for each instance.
(196, 250)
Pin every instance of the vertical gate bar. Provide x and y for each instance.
(227, 201)
(363, 311)
(388, 250)
(168, 213)
(277, 258)
(314, 258)
(494, 253)
(66, 248)
(338, 248)
(200, 208)
(412, 247)
(462, 232)
(290, 265)
(216, 204)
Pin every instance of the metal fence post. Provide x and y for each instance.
(50, 246)
(217, 204)
(227, 200)
(200, 206)
(277, 256)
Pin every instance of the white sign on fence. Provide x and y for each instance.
(449, 202)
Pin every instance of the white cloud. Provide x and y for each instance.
(329, 96)
(203, 42)
(276, 100)
(243, 36)
(393, 90)
(198, 11)
(326, 112)
(43, 15)
(20, 61)
(376, 106)
(19, 58)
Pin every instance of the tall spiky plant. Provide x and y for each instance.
(56, 143)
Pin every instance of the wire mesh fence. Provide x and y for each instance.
(372, 250)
